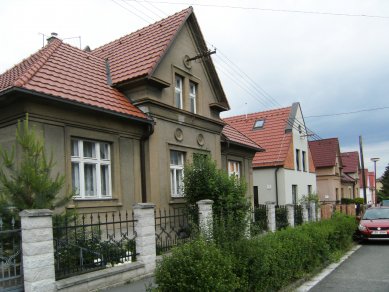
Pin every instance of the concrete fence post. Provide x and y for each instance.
(145, 235)
(38, 250)
(318, 215)
(305, 212)
(290, 212)
(271, 216)
(312, 207)
(205, 217)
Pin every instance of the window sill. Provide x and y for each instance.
(177, 200)
(94, 199)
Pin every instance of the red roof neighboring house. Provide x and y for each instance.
(138, 54)
(62, 72)
(369, 178)
(271, 136)
(350, 162)
(233, 136)
(324, 152)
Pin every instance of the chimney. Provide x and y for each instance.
(52, 37)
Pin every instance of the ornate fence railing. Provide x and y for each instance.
(88, 242)
(281, 217)
(259, 222)
(298, 215)
(172, 227)
(11, 268)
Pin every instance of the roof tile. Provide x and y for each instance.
(271, 136)
(237, 137)
(350, 161)
(324, 152)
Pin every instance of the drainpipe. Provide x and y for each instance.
(149, 132)
(275, 178)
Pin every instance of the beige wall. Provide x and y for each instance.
(59, 124)
(245, 158)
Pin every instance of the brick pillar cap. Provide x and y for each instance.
(36, 213)
(204, 202)
(143, 206)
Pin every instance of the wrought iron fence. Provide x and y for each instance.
(11, 268)
(281, 217)
(172, 227)
(298, 215)
(87, 242)
(259, 223)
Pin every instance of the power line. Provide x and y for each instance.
(258, 94)
(349, 113)
(268, 9)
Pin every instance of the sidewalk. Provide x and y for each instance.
(137, 286)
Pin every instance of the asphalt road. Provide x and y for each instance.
(365, 270)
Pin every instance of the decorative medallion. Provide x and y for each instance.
(179, 135)
(200, 139)
(187, 63)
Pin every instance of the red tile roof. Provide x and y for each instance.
(236, 137)
(350, 161)
(137, 54)
(366, 172)
(346, 178)
(63, 71)
(324, 152)
(271, 136)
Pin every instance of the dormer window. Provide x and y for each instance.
(259, 124)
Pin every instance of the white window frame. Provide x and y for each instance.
(234, 168)
(193, 96)
(175, 170)
(178, 90)
(97, 161)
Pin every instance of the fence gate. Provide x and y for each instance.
(11, 268)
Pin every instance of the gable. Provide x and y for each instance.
(173, 63)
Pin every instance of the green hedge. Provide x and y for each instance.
(265, 263)
(196, 266)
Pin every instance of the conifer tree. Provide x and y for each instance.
(26, 182)
(383, 194)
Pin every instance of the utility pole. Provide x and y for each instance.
(363, 171)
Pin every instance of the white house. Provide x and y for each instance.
(284, 172)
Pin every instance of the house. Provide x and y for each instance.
(369, 186)
(350, 175)
(328, 163)
(122, 119)
(284, 172)
(238, 152)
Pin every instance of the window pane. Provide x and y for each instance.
(174, 157)
(172, 182)
(90, 179)
(89, 149)
(75, 151)
(104, 151)
(179, 177)
(104, 180)
(76, 178)
(178, 98)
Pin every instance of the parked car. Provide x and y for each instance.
(374, 224)
(385, 203)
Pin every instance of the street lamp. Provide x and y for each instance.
(375, 159)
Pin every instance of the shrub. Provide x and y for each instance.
(196, 266)
(347, 201)
(271, 262)
(359, 201)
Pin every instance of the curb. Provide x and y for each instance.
(326, 271)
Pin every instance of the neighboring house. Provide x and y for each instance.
(123, 119)
(237, 155)
(328, 163)
(350, 175)
(369, 186)
(284, 172)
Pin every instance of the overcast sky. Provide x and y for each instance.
(270, 53)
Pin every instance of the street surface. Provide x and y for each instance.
(365, 270)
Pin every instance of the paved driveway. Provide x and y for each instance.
(365, 270)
